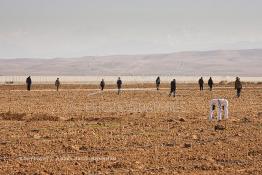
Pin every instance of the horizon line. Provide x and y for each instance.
(144, 54)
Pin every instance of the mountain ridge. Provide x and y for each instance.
(246, 62)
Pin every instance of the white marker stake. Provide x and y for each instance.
(220, 103)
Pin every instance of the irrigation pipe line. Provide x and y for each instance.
(129, 89)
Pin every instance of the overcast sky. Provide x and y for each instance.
(72, 28)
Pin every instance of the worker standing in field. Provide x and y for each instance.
(102, 85)
(157, 83)
(238, 86)
(57, 84)
(119, 85)
(28, 83)
(210, 83)
(173, 88)
(201, 84)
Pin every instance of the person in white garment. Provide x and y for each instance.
(222, 104)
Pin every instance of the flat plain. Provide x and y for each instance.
(82, 130)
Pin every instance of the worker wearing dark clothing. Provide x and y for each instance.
(57, 84)
(201, 84)
(102, 85)
(119, 85)
(28, 83)
(173, 88)
(238, 86)
(157, 83)
(210, 83)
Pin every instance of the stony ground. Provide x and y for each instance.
(80, 130)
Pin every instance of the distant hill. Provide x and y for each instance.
(220, 62)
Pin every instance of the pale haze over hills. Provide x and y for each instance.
(74, 28)
(195, 63)
(131, 33)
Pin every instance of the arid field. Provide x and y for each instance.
(81, 130)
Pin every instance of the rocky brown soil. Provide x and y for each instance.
(80, 130)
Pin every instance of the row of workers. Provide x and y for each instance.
(238, 85)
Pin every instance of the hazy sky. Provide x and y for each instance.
(69, 28)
